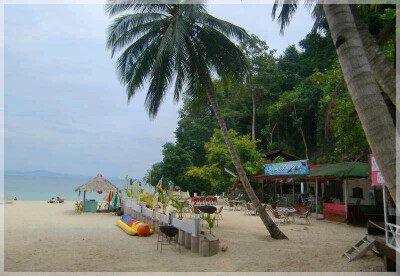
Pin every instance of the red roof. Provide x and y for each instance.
(284, 153)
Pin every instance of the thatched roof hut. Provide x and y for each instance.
(98, 184)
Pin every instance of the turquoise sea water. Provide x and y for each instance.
(28, 187)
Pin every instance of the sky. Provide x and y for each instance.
(65, 110)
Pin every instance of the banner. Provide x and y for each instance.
(287, 168)
(376, 175)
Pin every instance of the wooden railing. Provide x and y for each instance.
(192, 228)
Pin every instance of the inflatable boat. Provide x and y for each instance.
(134, 227)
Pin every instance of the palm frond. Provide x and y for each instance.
(288, 8)
(114, 7)
(127, 28)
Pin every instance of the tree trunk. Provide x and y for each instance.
(365, 93)
(304, 141)
(381, 67)
(269, 224)
(253, 122)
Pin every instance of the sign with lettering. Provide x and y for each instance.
(287, 168)
(376, 175)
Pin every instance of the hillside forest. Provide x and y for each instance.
(297, 102)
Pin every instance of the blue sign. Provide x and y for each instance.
(287, 168)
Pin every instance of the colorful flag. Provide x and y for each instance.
(376, 174)
(159, 184)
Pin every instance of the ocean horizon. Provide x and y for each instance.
(43, 188)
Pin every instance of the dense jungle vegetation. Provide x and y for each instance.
(300, 104)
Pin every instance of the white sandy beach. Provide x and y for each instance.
(51, 237)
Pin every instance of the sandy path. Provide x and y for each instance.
(44, 237)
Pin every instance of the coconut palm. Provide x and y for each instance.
(382, 69)
(184, 44)
(365, 92)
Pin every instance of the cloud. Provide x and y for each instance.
(65, 110)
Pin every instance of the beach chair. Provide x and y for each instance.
(219, 213)
(305, 215)
(231, 206)
(249, 210)
(196, 212)
(279, 217)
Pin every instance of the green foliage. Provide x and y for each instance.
(210, 221)
(349, 134)
(301, 92)
(273, 201)
(218, 158)
(149, 199)
(164, 199)
(79, 207)
(179, 206)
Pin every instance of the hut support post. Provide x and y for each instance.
(262, 191)
(281, 188)
(84, 200)
(316, 197)
(293, 193)
(275, 189)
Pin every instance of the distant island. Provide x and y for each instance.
(54, 174)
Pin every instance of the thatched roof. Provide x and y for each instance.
(98, 184)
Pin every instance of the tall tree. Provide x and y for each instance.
(161, 41)
(364, 90)
(368, 101)
(382, 69)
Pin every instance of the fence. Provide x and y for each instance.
(394, 240)
(189, 233)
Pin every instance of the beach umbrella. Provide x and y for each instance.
(110, 196)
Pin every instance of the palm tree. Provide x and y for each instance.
(367, 98)
(382, 69)
(182, 43)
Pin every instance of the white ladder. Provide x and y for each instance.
(360, 251)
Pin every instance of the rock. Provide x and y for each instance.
(224, 248)
(305, 228)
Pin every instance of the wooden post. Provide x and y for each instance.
(345, 196)
(84, 200)
(182, 237)
(195, 239)
(262, 191)
(384, 212)
(188, 240)
(293, 192)
(281, 188)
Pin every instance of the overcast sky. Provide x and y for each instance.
(65, 110)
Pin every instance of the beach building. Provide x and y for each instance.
(343, 191)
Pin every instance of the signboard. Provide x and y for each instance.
(376, 175)
(287, 168)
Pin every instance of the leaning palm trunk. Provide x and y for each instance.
(269, 224)
(381, 67)
(365, 93)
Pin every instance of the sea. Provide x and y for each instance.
(43, 188)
